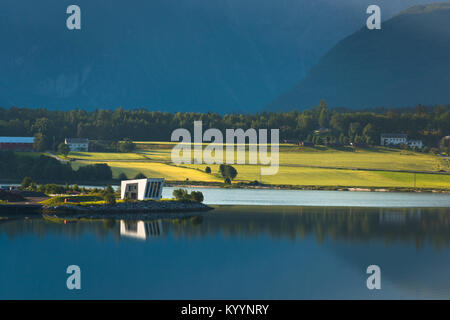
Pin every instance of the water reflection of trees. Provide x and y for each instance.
(415, 226)
(412, 226)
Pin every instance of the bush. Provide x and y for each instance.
(208, 170)
(180, 194)
(183, 195)
(434, 150)
(110, 199)
(197, 196)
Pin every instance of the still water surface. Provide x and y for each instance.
(233, 252)
(270, 197)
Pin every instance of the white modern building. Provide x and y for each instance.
(142, 189)
(77, 144)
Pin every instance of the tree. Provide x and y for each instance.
(109, 189)
(140, 175)
(26, 182)
(197, 196)
(180, 194)
(122, 176)
(64, 149)
(369, 134)
(228, 171)
(126, 146)
(40, 142)
(324, 117)
(110, 199)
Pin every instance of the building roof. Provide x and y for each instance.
(140, 180)
(393, 135)
(16, 139)
(77, 140)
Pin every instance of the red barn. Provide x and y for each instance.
(16, 143)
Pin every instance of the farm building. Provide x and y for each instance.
(16, 143)
(415, 143)
(77, 144)
(142, 189)
(399, 138)
(393, 139)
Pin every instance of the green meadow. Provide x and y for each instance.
(318, 166)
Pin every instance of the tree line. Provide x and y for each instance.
(318, 124)
(44, 168)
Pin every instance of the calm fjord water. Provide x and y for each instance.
(271, 197)
(234, 252)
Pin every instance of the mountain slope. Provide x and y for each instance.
(405, 63)
(169, 55)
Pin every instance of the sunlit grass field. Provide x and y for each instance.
(333, 177)
(319, 166)
(154, 169)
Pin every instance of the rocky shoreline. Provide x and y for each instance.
(128, 210)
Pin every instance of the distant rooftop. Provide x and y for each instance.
(393, 135)
(77, 140)
(16, 139)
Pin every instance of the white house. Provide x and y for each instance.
(415, 143)
(77, 144)
(142, 189)
(399, 138)
(393, 139)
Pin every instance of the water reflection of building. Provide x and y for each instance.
(140, 229)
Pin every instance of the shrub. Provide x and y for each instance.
(110, 199)
(208, 170)
(180, 194)
(183, 195)
(434, 150)
(197, 196)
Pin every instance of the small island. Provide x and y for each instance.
(74, 202)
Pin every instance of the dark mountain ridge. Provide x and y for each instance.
(406, 63)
